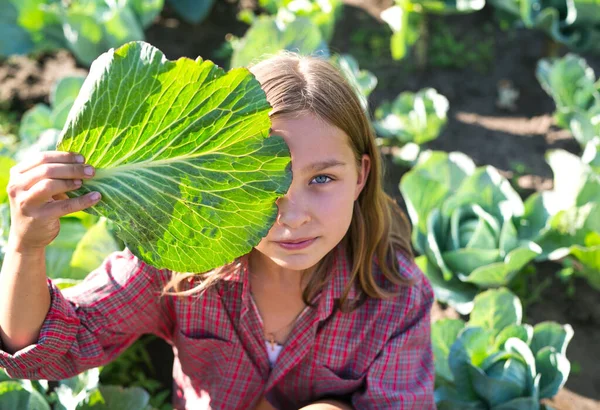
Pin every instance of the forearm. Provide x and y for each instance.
(328, 405)
(24, 297)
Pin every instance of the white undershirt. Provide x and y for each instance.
(273, 352)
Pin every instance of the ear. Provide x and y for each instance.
(363, 174)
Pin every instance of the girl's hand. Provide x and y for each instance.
(36, 191)
(263, 404)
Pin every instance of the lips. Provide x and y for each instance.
(296, 244)
(295, 240)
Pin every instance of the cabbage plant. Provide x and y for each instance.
(82, 392)
(86, 27)
(269, 34)
(573, 23)
(408, 21)
(41, 125)
(469, 225)
(495, 362)
(410, 120)
(363, 81)
(573, 229)
(322, 13)
(573, 85)
(183, 158)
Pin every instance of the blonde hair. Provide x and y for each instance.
(294, 84)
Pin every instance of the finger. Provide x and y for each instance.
(59, 197)
(45, 189)
(48, 157)
(55, 171)
(57, 209)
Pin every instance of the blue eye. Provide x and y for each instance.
(321, 179)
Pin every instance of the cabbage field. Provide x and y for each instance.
(487, 116)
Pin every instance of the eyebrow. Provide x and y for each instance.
(321, 165)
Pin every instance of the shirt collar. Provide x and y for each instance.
(339, 277)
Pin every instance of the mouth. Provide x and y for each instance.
(294, 244)
(296, 240)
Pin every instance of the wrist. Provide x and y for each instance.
(17, 247)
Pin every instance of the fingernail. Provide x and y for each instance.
(78, 182)
(94, 196)
(88, 170)
(79, 158)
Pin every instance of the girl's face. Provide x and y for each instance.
(315, 213)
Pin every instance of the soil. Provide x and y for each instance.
(512, 139)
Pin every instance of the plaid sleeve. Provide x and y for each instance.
(402, 375)
(90, 324)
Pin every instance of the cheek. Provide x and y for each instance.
(334, 209)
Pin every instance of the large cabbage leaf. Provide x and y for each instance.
(184, 160)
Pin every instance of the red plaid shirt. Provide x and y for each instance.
(377, 357)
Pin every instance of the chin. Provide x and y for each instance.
(294, 262)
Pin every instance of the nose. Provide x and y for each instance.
(292, 211)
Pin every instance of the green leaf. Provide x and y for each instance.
(554, 368)
(496, 309)
(6, 164)
(464, 261)
(193, 11)
(436, 176)
(522, 403)
(509, 237)
(14, 37)
(520, 348)
(570, 177)
(444, 333)
(270, 36)
(457, 294)
(471, 348)
(398, 21)
(34, 122)
(591, 156)
(569, 81)
(504, 381)
(14, 395)
(70, 391)
(534, 218)
(590, 258)
(362, 81)
(92, 249)
(62, 97)
(62, 283)
(60, 251)
(571, 231)
(501, 273)
(437, 226)
(182, 154)
(116, 398)
(447, 398)
(445, 7)
(412, 117)
(551, 334)
(490, 190)
(148, 10)
(520, 331)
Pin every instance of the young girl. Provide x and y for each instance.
(328, 311)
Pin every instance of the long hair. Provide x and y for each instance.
(294, 84)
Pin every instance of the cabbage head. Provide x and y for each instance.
(495, 362)
(469, 225)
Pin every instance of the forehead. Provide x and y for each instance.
(311, 139)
